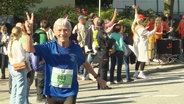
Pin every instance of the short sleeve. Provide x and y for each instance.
(109, 24)
(110, 36)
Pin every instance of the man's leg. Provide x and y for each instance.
(112, 67)
(40, 86)
(70, 100)
(119, 57)
(56, 100)
(3, 65)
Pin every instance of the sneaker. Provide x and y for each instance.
(79, 76)
(41, 98)
(129, 80)
(141, 75)
(106, 88)
(119, 82)
(111, 83)
(155, 60)
(3, 77)
(136, 74)
(83, 78)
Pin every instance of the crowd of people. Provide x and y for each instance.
(56, 59)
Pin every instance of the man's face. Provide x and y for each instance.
(62, 33)
(151, 19)
(4, 31)
(83, 21)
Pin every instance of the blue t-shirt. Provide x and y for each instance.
(56, 56)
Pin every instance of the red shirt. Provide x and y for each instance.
(181, 28)
(150, 25)
(165, 26)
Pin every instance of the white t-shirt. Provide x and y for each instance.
(18, 53)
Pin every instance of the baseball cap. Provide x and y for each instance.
(141, 16)
(82, 17)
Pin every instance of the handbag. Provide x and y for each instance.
(127, 50)
(19, 66)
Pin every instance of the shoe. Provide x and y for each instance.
(79, 76)
(155, 60)
(83, 78)
(41, 98)
(106, 88)
(119, 82)
(111, 83)
(141, 75)
(129, 80)
(136, 74)
(3, 77)
(87, 77)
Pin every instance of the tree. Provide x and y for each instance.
(16, 7)
(168, 6)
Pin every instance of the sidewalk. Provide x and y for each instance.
(86, 87)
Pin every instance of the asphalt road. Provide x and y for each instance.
(164, 85)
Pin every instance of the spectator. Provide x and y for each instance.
(126, 58)
(90, 23)
(88, 43)
(4, 41)
(40, 37)
(30, 72)
(140, 43)
(117, 57)
(166, 28)
(61, 84)
(110, 23)
(50, 34)
(80, 29)
(180, 27)
(150, 27)
(103, 52)
(159, 31)
(17, 54)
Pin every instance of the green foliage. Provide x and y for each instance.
(107, 14)
(16, 7)
(51, 14)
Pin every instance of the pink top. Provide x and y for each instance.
(109, 24)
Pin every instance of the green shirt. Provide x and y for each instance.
(40, 36)
(119, 41)
(22, 39)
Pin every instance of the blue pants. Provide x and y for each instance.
(116, 58)
(89, 60)
(126, 63)
(19, 86)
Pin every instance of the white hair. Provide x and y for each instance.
(62, 22)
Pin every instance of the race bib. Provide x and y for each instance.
(61, 78)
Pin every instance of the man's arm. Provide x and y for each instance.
(89, 68)
(29, 29)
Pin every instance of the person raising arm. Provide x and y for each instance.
(62, 57)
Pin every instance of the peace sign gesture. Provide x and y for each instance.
(29, 23)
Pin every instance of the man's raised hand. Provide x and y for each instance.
(29, 23)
